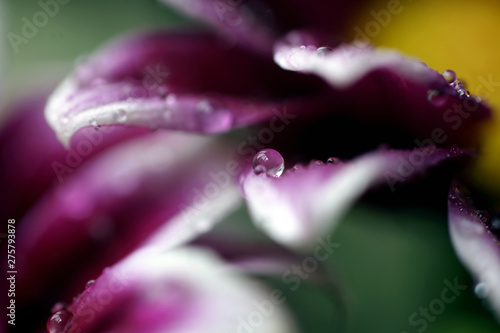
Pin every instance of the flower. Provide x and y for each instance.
(129, 199)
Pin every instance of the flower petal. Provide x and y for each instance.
(173, 80)
(475, 243)
(257, 23)
(396, 89)
(182, 290)
(304, 203)
(160, 185)
(33, 158)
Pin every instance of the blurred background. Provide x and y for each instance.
(392, 262)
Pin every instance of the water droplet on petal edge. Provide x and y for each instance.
(270, 162)
(58, 321)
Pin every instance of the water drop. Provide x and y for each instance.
(481, 290)
(334, 160)
(270, 162)
(435, 98)
(93, 122)
(58, 321)
(454, 151)
(204, 106)
(121, 116)
(323, 51)
(449, 76)
(483, 215)
(89, 285)
(316, 163)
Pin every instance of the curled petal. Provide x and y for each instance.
(396, 89)
(343, 66)
(475, 243)
(306, 202)
(156, 191)
(173, 81)
(182, 290)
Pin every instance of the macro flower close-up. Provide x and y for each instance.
(250, 166)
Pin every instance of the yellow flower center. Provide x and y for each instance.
(460, 35)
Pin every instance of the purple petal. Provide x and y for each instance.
(157, 191)
(34, 159)
(189, 82)
(256, 23)
(475, 243)
(182, 290)
(396, 90)
(306, 202)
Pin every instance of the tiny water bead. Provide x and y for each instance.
(334, 160)
(120, 116)
(481, 290)
(450, 76)
(89, 285)
(483, 216)
(269, 162)
(316, 163)
(204, 106)
(323, 51)
(58, 321)
(93, 123)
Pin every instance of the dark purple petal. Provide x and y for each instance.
(395, 89)
(475, 243)
(189, 82)
(156, 191)
(256, 23)
(181, 290)
(33, 159)
(308, 201)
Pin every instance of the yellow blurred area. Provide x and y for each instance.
(460, 35)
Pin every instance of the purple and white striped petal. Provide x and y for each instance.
(306, 202)
(157, 191)
(179, 291)
(180, 81)
(396, 89)
(476, 244)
